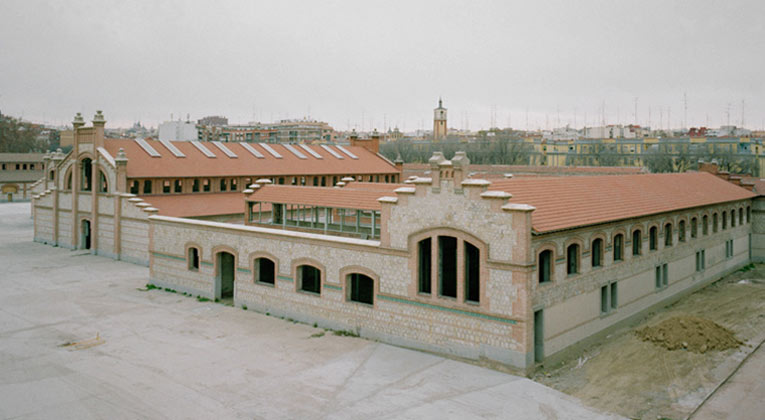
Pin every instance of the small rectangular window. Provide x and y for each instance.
(424, 265)
(147, 187)
(134, 187)
(193, 259)
(614, 296)
(604, 299)
(664, 275)
(447, 266)
(166, 186)
(472, 273)
(195, 186)
(223, 184)
(178, 186)
(658, 276)
(206, 185)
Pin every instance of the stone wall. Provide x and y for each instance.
(396, 317)
(572, 303)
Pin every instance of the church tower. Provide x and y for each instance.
(439, 122)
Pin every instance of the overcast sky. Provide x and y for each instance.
(369, 64)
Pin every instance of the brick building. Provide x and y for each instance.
(514, 270)
(18, 172)
(100, 195)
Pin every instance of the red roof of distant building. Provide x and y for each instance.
(196, 164)
(197, 205)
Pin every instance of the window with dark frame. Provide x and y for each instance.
(424, 265)
(361, 288)
(264, 271)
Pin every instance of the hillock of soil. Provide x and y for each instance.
(689, 333)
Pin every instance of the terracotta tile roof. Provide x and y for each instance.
(196, 205)
(568, 202)
(196, 164)
(348, 198)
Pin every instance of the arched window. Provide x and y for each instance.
(103, 185)
(724, 220)
(637, 242)
(695, 227)
(748, 214)
(572, 259)
(264, 271)
(361, 288)
(714, 223)
(681, 231)
(653, 238)
(733, 218)
(52, 175)
(741, 216)
(618, 247)
(440, 266)
(86, 181)
(668, 234)
(192, 258)
(705, 225)
(309, 279)
(597, 252)
(545, 266)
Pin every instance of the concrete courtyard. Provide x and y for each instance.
(79, 339)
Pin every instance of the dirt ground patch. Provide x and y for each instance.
(640, 379)
(689, 333)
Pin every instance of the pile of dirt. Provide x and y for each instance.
(689, 333)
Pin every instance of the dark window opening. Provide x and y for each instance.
(195, 186)
(724, 220)
(714, 223)
(178, 186)
(281, 180)
(637, 242)
(193, 259)
(447, 266)
(733, 218)
(695, 227)
(618, 247)
(424, 265)
(668, 234)
(472, 273)
(133, 187)
(572, 259)
(741, 216)
(87, 175)
(597, 252)
(681, 231)
(310, 278)
(653, 238)
(265, 271)
(147, 187)
(362, 288)
(206, 185)
(545, 263)
(166, 186)
(324, 181)
(103, 185)
(705, 225)
(223, 184)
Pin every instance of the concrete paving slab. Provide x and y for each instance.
(163, 355)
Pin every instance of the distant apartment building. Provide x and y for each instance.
(616, 131)
(213, 120)
(178, 131)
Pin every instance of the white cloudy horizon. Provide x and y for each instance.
(379, 64)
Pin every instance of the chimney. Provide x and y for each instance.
(98, 123)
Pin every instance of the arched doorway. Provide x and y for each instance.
(85, 243)
(224, 278)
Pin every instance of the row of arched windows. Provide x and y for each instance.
(438, 268)
(86, 178)
(719, 221)
(360, 287)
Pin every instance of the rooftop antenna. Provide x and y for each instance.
(636, 115)
(742, 113)
(727, 113)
